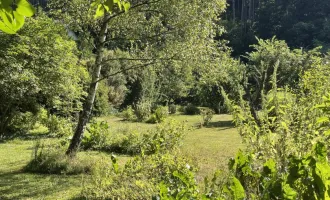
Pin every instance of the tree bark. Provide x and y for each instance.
(88, 104)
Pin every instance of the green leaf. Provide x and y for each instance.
(321, 177)
(126, 5)
(327, 133)
(288, 192)
(7, 17)
(237, 189)
(270, 109)
(322, 120)
(99, 11)
(284, 125)
(25, 8)
(7, 21)
(320, 151)
(114, 164)
(5, 28)
(18, 21)
(269, 166)
(95, 3)
(163, 190)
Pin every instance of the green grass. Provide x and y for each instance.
(14, 184)
(210, 147)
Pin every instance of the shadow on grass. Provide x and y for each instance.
(19, 185)
(221, 124)
(26, 137)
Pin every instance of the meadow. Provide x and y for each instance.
(210, 147)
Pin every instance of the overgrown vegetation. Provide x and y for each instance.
(70, 68)
(165, 136)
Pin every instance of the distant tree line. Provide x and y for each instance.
(301, 23)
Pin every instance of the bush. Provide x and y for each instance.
(159, 115)
(96, 137)
(52, 160)
(166, 136)
(22, 123)
(125, 141)
(58, 126)
(172, 109)
(140, 177)
(304, 177)
(102, 105)
(181, 109)
(142, 111)
(128, 114)
(207, 115)
(191, 110)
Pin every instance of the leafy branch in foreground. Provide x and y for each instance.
(13, 14)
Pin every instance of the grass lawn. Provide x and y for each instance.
(210, 147)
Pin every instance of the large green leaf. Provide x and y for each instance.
(320, 152)
(19, 21)
(25, 8)
(237, 189)
(5, 28)
(126, 6)
(321, 177)
(288, 192)
(11, 21)
(269, 167)
(99, 11)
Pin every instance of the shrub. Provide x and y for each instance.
(23, 122)
(159, 115)
(142, 111)
(128, 114)
(58, 126)
(125, 141)
(172, 109)
(140, 177)
(181, 109)
(304, 177)
(207, 115)
(52, 160)
(165, 136)
(96, 137)
(191, 110)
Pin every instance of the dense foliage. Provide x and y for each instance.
(146, 61)
(302, 24)
(35, 74)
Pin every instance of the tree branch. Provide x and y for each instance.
(140, 59)
(132, 7)
(126, 69)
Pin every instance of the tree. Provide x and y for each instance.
(34, 73)
(262, 61)
(301, 23)
(163, 30)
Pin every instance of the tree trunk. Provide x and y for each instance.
(234, 10)
(88, 104)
